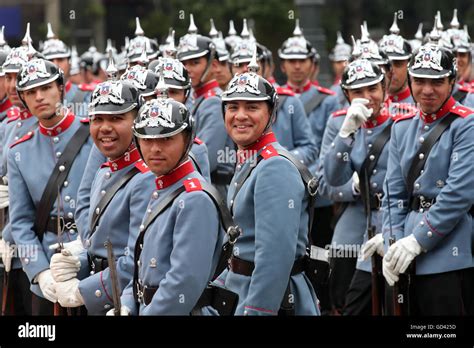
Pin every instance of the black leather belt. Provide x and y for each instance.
(97, 264)
(145, 293)
(246, 268)
(221, 178)
(65, 224)
(421, 202)
(376, 201)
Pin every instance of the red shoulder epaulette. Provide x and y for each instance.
(210, 93)
(192, 185)
(284, 91)
(13, 114)
(465, 88)
(337, 113)
(86, 87)
(405, 117)
(404, 109)
(198, 141)
(269, 152)
(24, 138)
(85, 120)
(461, 110)
(141, 166)
(325, 90)
(5, 106)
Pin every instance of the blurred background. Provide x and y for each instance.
(86, 22)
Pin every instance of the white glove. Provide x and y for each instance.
(355, 184)
(356, 115)
(47, 285)
(6, 252)
(374, 244)
(64, 266)
(401, 254)
(124, 311)
(4, 197)
(75, 247)
(388, 274)
(68, 293)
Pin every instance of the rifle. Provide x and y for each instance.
(113, 277)
(371, 231)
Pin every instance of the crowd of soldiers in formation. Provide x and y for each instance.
(181, 179)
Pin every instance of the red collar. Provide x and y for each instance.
(130, 156)
(62, 126)
(272, 80)
(380, 119)
(25, 114)
(315, 83)
(400, 96)
(164, 181)
(429, 118)
(264, 140)
(300, 90)
(6, 104)
(68, 86)
(337, 81)
(205, 88)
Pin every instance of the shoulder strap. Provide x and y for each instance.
(372, 158)
(105, 200)
(57, 178)
(195, 162)
(423, 152)
(460, 95)
(314, 102)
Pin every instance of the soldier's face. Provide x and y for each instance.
(462, 61)
(373, 93)
(10, 87)
(162, 155)
(196, 68)
(338, 67)
(430, 93)
(297, 70)
(112, 134)
(2, 87)
(64, 64)
(43, 101)
(245, 121)
(177, 94)
(222, 73)
(399, 76)
(239, 68)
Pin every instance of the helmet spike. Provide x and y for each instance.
(339, 39)
(2, 37)
(170, 50)
(251, 36)
(439, 23)
(419, 32)
(50, 34)
(297, 31)
(253, 65)
(111, 69)
(245, 31)
(138, 31)
(161, 90)
(355, 47)
(27, 37)
(394, 29)
(366, 28)
(232, 30)
(109, 46)
(192, 27)
(143, 59)
(213, 33)
(364, 34)
(454, 22)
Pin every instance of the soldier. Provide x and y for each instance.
(117, 205)
(5, 103)
(89, 66)
(221, 70)
(339, 58)
(398, 51)
(76, 95)
(141, 44)
(176, 252)
(431, 189)
(360, 146)
(45, 166)
(266, 268)
(197, 53)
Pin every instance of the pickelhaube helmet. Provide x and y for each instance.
(296, 47)
(243, 52)
(3, 57)
(53, 47)
(90, 60)
(221, 48)
(163, 117)
(368, 49)
(394, 45)
(17, 57)
(75, 62)
(361, 73)
(143, 79)
(174, 73)
(416, 42)
(432, 61)
(232, 38)
(340, 52)
(141, 43)
(438, 36)
(113, 97)
(38, 72)
(168, 49)
(3, 44)
(192, 45)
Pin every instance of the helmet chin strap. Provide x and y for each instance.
(212, 52)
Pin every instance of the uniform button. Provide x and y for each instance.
(369, 145)
(421, 210)
(71, 231)
(153, 263)
(26, 260)
(97, 210)
(70, 215)
(231, 201)
(18, 125)
(139, 263)
(422, 171)
(296, 152)
(374, 185)
(55, 139)
(102, 192)
(369, 131)
(371, 157)
(236, 184)
(66, 183)
(421, 156)
(62, 168)
(339, 155)
(107, 175)
(426, 127)
(91, 272)
(106, 306)
(340, 194)
(148, 211)
(417, 186)
(67, 198)
(155, 195)
(422, 223)
(421, 140)
(333, 145)
(87, 243)
(374, 171)
(98, 293)
(16, 138)
(429, 234)
(239, 167)
(439, 183)
(58, 154)
(246, 312)
(142, 227)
